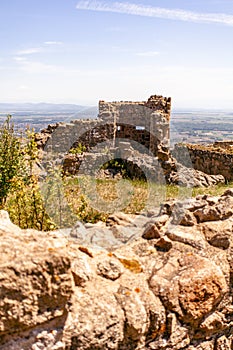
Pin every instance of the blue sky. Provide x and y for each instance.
(67, 51)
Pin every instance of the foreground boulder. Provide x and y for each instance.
(168, 286)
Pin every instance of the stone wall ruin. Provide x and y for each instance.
(147, 123)
(211, 159)
(137, 132)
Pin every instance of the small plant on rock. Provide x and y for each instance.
(80, 149)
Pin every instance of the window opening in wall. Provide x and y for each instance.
(139, 127)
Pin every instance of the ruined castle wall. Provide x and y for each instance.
(96, 135)
(129, 132)
(125, 113)
(145, 122)
(207, 159)
(227, 145)
(137, 120)
(66, 135)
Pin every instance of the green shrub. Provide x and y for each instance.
(19, 189)
(11, 158)
(26, 207)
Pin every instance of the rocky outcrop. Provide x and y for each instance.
(140, 282)
(189, 177)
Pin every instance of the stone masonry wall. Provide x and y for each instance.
(140, 118)
(227, 145)
(94, 136)
(144, 122)
(209, 159)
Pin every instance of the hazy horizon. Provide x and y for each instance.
(51, 104)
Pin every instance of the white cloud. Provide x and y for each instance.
(53, 43)
(30, 51)
(156, 12)
(34, 50)
(35, 66)
(19, 59)
(148, 54)
(23, 87)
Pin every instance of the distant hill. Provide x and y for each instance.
(41, 107)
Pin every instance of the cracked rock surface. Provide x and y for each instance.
(161, 281)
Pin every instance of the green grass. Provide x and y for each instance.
(217, 190)
(90, 200)
(93, 200)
